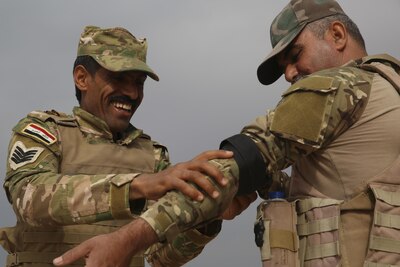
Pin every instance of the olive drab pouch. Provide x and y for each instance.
(275, 231)
(384, 242)
(318, 225)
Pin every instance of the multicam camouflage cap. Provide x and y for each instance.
(287, 26)
(115, 49)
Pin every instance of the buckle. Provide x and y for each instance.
(12, 259)
(259, 229)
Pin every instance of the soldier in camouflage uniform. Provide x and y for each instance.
(337, 126)
(71, 177)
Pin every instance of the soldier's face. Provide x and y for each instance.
(307, 54)
(114, 97)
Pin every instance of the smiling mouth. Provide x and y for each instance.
(122, 106)
(123, 103)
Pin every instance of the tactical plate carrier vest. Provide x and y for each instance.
(320, 231)
(39, 246)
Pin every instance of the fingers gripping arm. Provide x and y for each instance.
(174, 213)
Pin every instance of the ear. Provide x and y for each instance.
(81, 77)
(339, 35)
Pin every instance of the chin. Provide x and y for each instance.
(119, 128)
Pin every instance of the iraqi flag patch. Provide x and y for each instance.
(20, 155)
(39, 133)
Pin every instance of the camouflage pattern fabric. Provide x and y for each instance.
(287, 25)
(175, 213)
(312, 113)
(33, 181)
(183, 248)
(43, 197)
(115, 49)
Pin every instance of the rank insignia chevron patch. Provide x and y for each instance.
(39, 133)
(20, 155)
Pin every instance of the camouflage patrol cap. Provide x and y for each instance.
(287, 26)
(115, 49)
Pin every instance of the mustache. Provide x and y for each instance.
(123, 99)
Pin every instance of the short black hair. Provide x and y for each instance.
(90, 65)
(319, 27)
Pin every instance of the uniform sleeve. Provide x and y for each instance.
(41, 196)
(183, 248)
(311, 114)
(174, 213)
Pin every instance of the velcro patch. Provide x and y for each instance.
(39, 133)
(20, 155)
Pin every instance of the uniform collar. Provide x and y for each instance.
(95, 127)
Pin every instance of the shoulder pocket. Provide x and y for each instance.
(303, 113)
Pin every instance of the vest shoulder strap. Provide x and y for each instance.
(59, 118)
(387, 66)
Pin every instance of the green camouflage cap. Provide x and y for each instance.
(287, 25)
(115, 49)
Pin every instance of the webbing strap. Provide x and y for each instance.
(318, 226)
(118, 202)
(392, 198)
(283, 239)
(387, 220)
(386, 72)
(55, 237)
(266, 247)
(322, 251)
(302, 251)
(384, 244)
(376, 264)
(35, 257)
(307, 204)
(47, 257)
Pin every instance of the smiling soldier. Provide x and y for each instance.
(72, 177)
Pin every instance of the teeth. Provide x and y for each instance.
(124, 106)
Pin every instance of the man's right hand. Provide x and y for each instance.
(177, 177)
(112, 249)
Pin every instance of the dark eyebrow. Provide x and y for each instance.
(290, 47)
(286, 51)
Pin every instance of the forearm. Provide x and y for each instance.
(175, 213)
(112, 249)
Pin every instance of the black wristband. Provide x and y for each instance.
(251, 164)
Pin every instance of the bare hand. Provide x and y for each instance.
(111, 250)
(154, 186)
(238, 204)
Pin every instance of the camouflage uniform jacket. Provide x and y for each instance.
(312, 113)
(54, 185)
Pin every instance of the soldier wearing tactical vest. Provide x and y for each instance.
(72, 177)
(337, 126)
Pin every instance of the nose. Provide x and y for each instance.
(132, 91)
(291, 73)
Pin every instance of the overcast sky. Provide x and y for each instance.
(206, 54)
